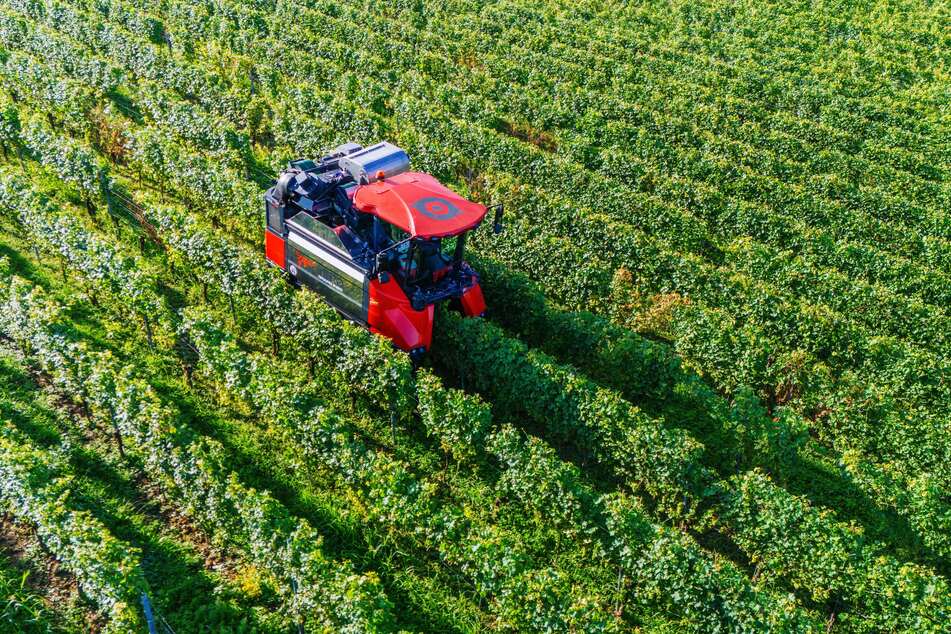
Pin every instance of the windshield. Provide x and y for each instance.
(419, 261)
(424, 261)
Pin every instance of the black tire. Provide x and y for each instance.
(292, 276)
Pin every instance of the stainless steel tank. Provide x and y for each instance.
(365, 165)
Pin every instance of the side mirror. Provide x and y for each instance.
(497, 221)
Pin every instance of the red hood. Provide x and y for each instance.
(419, 204)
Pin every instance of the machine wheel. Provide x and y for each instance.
(292, 275)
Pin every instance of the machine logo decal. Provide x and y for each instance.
(436, 208)
(305, 261)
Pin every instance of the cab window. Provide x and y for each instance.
(312, 225)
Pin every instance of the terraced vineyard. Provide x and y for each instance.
(712, 392)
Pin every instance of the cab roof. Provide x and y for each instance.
(418, 204)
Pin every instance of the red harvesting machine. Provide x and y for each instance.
(382, 244)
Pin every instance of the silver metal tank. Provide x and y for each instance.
(365, 165)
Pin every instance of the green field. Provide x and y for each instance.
(712, 392)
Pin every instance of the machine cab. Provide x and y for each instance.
(382, 244)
